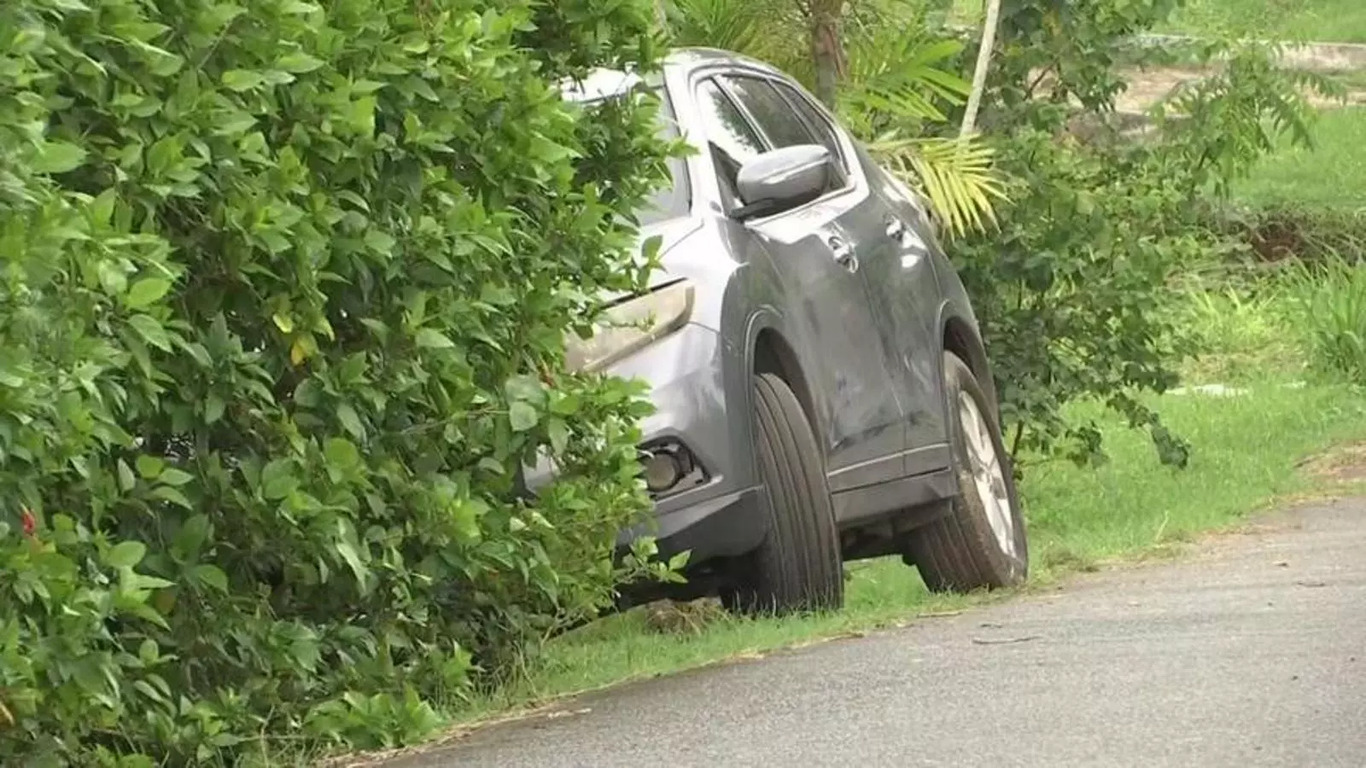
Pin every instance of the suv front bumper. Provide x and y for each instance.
(724, 516)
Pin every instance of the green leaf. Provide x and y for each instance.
(277, 479)
(432, 339)
(192, 535)
(58, 157)
(298, 62)
(522, 416)
(213, 408)
(341, 454)
(242, 80)
(566, 405)
(148, 652)
(125, 554)
(167, 493)
(465, 516)
(380, 241)
(146, 291)
(527, 388)
(151, 331)
(350, 421)
(211, 576)
(150, 467)
(175, 477)
(559, 436)
(126, 478)
(199, 353)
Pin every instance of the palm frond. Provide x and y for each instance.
(901, 77)
(759, 28)
(954, 174)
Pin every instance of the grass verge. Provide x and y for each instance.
(1337, 21)
(1330, 175)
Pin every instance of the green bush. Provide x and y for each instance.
(1075, 292)
(283, 291)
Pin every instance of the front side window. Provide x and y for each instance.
(730, 139)
(778, 118)
(772, 114)
(819, 123)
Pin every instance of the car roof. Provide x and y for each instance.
(694, 57)
(604, 83)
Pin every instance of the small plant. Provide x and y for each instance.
(1332, 300)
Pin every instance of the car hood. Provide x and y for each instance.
(670, 234)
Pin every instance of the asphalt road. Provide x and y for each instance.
(1252, 653)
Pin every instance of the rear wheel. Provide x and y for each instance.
(798, 566)
(981, 543)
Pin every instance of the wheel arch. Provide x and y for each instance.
(960, 336)
(770, 350)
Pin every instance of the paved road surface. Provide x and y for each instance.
(1251, 654)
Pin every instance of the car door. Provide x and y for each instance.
(899, 274)
(812, 253)
(908, 284)
(895, 274)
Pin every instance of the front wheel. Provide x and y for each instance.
(798, 565)
(981, 543)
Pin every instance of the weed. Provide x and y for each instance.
(1331, 297)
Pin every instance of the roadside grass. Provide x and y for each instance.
(1330, 175)
(1339, 21)
(1329, 21)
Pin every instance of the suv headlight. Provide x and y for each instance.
(631, 325)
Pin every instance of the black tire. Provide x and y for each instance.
(960, 552)
(798, 565)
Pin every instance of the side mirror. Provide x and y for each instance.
(781, 180)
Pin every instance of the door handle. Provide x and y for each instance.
(896, 228)
(843, 253)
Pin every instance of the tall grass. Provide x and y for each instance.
(1331, 299)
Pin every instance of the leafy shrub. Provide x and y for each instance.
(283, 289)
(1074, 292)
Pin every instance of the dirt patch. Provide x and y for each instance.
(1152, 85)
(1344, 464)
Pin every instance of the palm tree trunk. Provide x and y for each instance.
(827, 49)
(662, 15)
(979, 75)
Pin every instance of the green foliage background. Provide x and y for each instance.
(283, 289)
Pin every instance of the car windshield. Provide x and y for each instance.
(671, 200)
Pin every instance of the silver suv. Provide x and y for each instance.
(822, 391)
